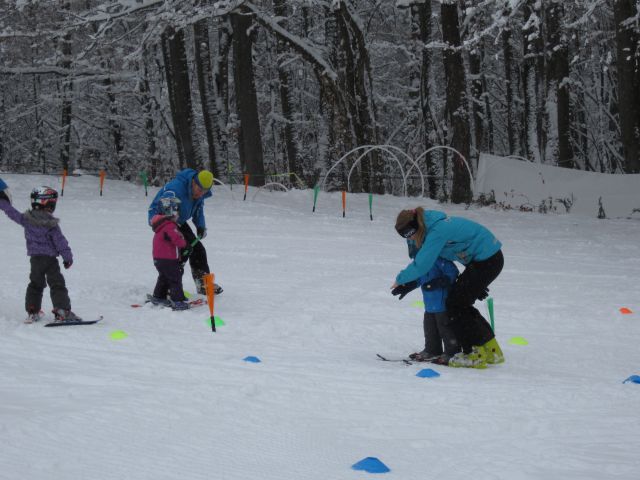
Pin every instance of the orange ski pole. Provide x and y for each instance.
(211, 295)
(64, 180)
(102, 175)
(246, 185)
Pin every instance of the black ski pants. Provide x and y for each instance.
(45, 270)
(470, 327)
(438, 330)
(198, 258)
(169, 279)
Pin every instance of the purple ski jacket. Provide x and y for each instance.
(42, 232)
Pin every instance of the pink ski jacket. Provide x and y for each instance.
(167, 240)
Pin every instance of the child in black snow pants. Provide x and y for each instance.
(45, 241)
(167, 244)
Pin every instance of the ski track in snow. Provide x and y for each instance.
(309, 295)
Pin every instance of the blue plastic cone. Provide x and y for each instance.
(427, 373)
(371, 465)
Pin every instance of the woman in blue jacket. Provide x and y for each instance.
(456, 239)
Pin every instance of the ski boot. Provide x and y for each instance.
(33, 316)
(163, 302)
(61, 315)
(476, 359)
(180, 305)
(423, 356)
(494, 352)
(202, 290)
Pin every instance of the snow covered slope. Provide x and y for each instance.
(308, 294)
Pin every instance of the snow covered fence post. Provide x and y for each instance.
(64, 180)
(103, 174)
(143, 176)
(344, 203)
(316, 190)
(490, 307)
(246, 185)
(209, 286)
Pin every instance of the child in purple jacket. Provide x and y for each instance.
(45, 241)
(167, 245)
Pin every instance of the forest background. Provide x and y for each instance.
(282, 90)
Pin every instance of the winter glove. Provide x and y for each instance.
(402, 290)
(4, 196)
(437, 283)
(67, 264)
(202, 232)
(185, 254)
(484, 294)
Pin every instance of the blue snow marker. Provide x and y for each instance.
(252, 359)
(633, 379)
(371, 465)
(427, 373)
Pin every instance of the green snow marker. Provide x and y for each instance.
(118, 335)
(518, 341)
(218, 320)
(418, 303)
(490, 307)
(371, 206)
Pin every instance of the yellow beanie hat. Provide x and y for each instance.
(204, 179)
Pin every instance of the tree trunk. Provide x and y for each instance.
(456, 101)
(628, 73)
(249, 138)
(67, 90)
(421, 33)
(532, 79)
(204, 75)
(285, 80)
(177, 73)
(558, 84)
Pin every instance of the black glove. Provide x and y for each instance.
(402, 290)
(202, 232)
(437, 283)
(484, 294)
(185, 254)
(4, 196)
(67, 264)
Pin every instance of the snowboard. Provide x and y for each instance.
(74, 322)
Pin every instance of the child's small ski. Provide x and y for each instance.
(74, 322)
(196, 302)
(406, 361)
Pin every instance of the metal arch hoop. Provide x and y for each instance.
(268, 185)
(220, 182)
(466, 164)
(385, 148)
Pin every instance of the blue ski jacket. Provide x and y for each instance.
(181, 187)
(452, 238)
(435, 298)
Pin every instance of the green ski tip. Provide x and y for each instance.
(518, 341)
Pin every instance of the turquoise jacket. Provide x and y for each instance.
(452, 238)
(189, 208)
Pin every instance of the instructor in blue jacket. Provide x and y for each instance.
(192, 188)
(467, 242)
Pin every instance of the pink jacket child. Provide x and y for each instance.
(167, 244)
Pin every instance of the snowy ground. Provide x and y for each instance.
(309, 295)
